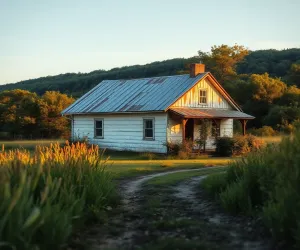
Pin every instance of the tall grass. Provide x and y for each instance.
(266, 183)
(46, 195)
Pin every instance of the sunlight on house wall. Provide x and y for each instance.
(175, 129)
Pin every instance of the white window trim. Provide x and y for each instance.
(153, 128)
(102, 120)
(203, 103)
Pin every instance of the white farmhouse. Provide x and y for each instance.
(144, 114)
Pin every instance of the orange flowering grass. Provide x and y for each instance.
(47, 194)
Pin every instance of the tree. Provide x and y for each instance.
(291, 97)
(19, 112)
(222, 60)
(280, 116)
(52, 124)
(294, 74)
(265, 88)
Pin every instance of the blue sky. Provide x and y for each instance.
(49, 37)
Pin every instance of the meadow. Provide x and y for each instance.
(52, 189)
(265, 185)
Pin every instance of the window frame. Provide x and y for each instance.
(206, 96)
(95, 129)
(153, 128)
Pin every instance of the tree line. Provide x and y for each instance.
(267, 88)
(265, 83)
(25, 115)
(277, 63)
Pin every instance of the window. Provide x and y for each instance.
(99, 128)
(148, 129)
(203, 96)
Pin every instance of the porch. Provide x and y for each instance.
(219, 122)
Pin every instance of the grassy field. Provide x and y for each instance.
(175, 178)
(133, 168)
(126, 164)
(272, 139)
(27, 144)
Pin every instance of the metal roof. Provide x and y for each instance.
(210, 113)
(136, 95)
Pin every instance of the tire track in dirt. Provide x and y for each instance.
(130, 201)
(240, 230)
(197, 207)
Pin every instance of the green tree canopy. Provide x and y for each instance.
(222, 60)
(265, 88)
(25, 115)
(294, 74)
(52, 124)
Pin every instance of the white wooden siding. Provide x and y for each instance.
(226, 127)
(174, 131)
(214, 99)
(124, 132)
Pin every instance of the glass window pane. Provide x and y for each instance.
(149, 133)
(98, 124)
(99, 132)
(148, 124)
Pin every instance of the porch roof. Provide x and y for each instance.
(210, 113)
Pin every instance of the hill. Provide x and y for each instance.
(275, 62)
(78, 83)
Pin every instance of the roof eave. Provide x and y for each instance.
(119, 112)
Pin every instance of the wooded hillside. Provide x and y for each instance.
(275, 62)
(264, 83)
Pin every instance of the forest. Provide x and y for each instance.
(265, 83)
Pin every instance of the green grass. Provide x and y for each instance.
(266, 184)
(48, 194)
(27, 144)
(136, 168)
(174, 178)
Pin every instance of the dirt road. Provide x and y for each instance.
(174, 216)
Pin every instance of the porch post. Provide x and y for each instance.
(184, 121)
(243, 122)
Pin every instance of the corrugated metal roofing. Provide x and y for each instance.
(136, 95)
(210, 113)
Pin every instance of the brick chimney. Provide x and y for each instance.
(196, 69)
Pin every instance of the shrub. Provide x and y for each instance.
(264, 131)
(46, 195)
(182, 150)
(173, 148)
(224, 146)
(238, 145)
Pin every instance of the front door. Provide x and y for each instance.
(189, 129)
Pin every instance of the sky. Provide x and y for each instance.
(50, 37)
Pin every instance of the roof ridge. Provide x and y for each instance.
(147, 77)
